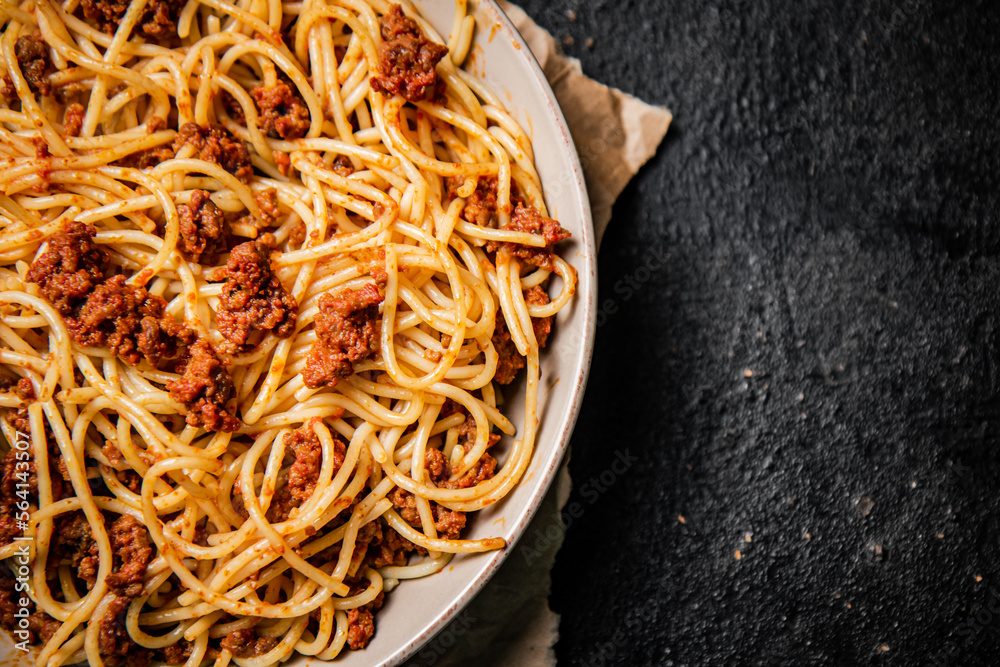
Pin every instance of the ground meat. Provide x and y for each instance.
(511, 361)
(343, 165)
(106, 14)
(7, 89)
(148, 157)
(283, 113)
(297, 235)
(405, 503)
(528, 219)
(327, 555)
(41, 626)
(176, 654)
(283, 161)
(73, 542)
(215, 144)
(280, 508)
(11, 480)
(368, 534)
(308, 459)
(164, 342)
(483, 470)
(205, 387)
(467, 433)
(24, 391)
(358, 584)
(103, 312)
(19, 421)
(239, 507)
(130, 479)
(131, 548)
(304, 444)
(204, 230)
(542, 326)
(41, 148)
(267, 202)
(448, 523)
(360, 628)
(158, 20)
(346, 333)
(32, 55)
(116, 647)
(69, 267)
(233, 108)
(21, 388)
(390, 549)
(200, 536)
(118, 316)
(155, 124)
(73, 119)
(246, 643)
(481, 206)
(406, 58)
(373, 260)
(253, 300)
(9, 526)
(436, 465)
(112, 453)
(24, 478)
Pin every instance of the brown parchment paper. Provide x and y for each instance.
(509, 622)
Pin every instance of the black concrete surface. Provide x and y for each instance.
(799, 343)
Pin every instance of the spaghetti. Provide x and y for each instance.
(263, 266)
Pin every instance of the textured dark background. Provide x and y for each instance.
(798, 340)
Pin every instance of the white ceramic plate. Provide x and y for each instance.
(418, 609)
